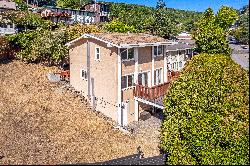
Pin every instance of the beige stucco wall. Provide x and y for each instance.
(103, 74)
(144, 64)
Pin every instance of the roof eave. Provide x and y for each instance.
(91, 36)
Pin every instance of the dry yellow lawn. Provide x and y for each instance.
(40, 125)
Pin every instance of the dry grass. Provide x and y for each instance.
(41, 125)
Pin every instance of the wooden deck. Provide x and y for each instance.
(154, 92)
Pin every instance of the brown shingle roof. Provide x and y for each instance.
(129, 38)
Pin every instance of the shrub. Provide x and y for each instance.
(116, 26)
(5, 48)
(41, 46)
(206, 113)
(75, 31)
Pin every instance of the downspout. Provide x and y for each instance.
(119, 110)
(88, 69)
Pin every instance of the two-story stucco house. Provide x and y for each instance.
(124, 74)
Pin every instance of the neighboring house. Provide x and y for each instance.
(6, 27)
(177, 55)
(55, 16)
(123, 75)
(183, 35)
(101, 10)
(186, 38)
(77, 16)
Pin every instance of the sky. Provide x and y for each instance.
(193, 5)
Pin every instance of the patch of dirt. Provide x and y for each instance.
(41, 125)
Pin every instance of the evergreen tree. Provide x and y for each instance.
(160, 4)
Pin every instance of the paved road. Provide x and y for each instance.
(240, 56)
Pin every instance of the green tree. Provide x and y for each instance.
(25, 19)
(41, 46)
(160, 4)
(76, 30)
(154, 20)
(242, 33)
(226, 16)
(73, 4)
(163, 25)
(206, 115)
(116, 26)
(21, 5)
(210, 36)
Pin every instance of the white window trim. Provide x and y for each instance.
(149, 74)
(96, 54)
(126, 60)
(81, 74)
(162, 81)
(127, 81)
(158, 55)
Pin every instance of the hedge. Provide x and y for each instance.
(206, 113)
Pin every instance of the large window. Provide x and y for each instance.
(158, 76)
(158, 50)
(127, 81)
(127, 54)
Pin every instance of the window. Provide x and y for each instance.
(188, 51)
(158, 76)
(174, 65)
(127, 81)
(97, 53)
(180, 64)
(158, 50)
(84, 74)
(143, 79)
(127, 54)
(155, 50)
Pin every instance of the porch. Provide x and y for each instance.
(155, 92)
(151, 96)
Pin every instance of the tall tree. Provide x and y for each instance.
(160, 4)
(163, 25)
(73, 4)
(226, 16)
(210, 35)
(242, 32)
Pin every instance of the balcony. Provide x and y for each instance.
(151, 93)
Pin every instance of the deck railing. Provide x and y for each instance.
(155, 91)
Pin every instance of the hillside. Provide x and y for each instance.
(42, 123)
(142, 16)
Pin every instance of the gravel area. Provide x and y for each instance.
(42, 123)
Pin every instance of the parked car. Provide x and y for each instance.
(244, 46)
